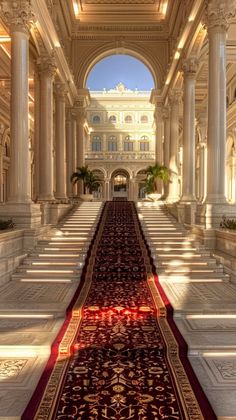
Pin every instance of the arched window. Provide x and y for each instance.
(144, 119)
(112, 119)
(96, 119)
(128, 119)
(112, 144)
(144, 138)
(128, 144)
(144, 144)
(96, 144)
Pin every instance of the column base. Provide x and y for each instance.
(52, 213)
(172, 199)
(187, 212)
(23, 215)
(210, 214)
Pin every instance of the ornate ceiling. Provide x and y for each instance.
(120, 10)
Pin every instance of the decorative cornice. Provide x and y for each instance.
(219, 14)
(18, 14)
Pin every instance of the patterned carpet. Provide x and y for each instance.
(118, 356)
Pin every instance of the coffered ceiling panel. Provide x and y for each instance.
(120, 10)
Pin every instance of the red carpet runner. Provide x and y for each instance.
(119, 354)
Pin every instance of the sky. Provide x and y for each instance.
(114, 69)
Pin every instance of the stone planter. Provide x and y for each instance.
(86, 197)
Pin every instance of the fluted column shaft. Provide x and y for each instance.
(189, 70)
(47, 73)
(218, 18)
(60, 131)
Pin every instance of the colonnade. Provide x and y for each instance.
(59, 138)
(211, 201)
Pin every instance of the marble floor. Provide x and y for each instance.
(204, 302)
(33, 305)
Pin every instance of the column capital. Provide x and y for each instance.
(165, 112)
(47, 65)
(219, 14)
(18, 15)
(175, 96)
(190, 66)
(60, 90)
(80, 112)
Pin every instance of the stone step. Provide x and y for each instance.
(51, 267)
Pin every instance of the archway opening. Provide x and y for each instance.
(113, 69)
(120, 123)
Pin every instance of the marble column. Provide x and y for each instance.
(218, 16)
(47, 68)
(60, 138)
(19, 206)
(189, 67)
(166, 146)
(1, 172)
(202, 133)
(19, 172)
(70, 150)
(234, 177)
(159, 134)
(80, 144)
(174, 99)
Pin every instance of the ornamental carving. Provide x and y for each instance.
(219, 14)
(47, 65)
(165, 112)
(175, 96)
(18, 14)
(190, 66)
(60, 90)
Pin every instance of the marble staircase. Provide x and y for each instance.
(33, 305)
(204, 303)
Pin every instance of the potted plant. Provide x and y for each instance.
(154, 174)
(90, 182)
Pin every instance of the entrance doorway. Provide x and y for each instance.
(120, 186)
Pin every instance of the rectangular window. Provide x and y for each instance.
(128, 146)
(144, 146)
(112, 146)
(96, 146)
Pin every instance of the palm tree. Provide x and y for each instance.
(155, 173)
(90, 181)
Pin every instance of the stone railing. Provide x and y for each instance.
(117, 156)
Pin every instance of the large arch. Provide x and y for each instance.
(95, 55)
